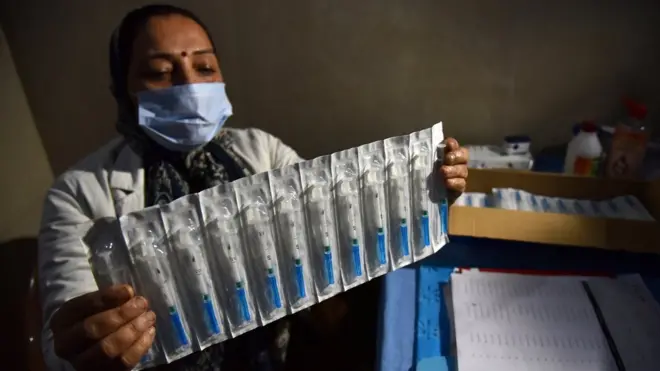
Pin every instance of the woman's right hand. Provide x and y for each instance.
(109, 329)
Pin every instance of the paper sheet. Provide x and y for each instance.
(633, 319)
(509, 322)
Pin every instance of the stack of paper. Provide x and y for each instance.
(632, 317)
(517, 322)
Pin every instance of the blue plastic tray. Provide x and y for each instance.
(414, 327)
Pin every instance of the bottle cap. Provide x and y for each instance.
(635, 110)
(589, 127)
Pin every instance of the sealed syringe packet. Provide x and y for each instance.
(398, 190)
(371, 162)
(108, 258)
(256, 208)
(226, 252)
(346, 188)
(629, 207)
(145, 238)
(186, 243)
(292, 246)
(474, 199)
(438, 192)
(316, 177)
(425, 223)
(107, 253)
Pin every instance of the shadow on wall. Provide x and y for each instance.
(20, 336)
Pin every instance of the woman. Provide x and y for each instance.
(159, 56)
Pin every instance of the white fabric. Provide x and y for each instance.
(108, 183)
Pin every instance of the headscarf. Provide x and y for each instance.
(169, 174)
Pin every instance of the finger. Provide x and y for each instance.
(457, 157)
(451, 145)
(456, 184)
(132, 356)
(92, 329)
(111, 349)
(458, 171)
(77, 309)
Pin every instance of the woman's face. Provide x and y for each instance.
(171, 50)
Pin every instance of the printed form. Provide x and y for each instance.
(506, 322)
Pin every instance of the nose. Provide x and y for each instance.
(185, 73)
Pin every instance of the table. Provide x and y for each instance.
(412, 326)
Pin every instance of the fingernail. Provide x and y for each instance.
(152, 330)
(140, 302)
(151, 317)
(125, 291)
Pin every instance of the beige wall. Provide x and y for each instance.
(330, 74)
(25, 172)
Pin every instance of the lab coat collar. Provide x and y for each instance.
(127, 173)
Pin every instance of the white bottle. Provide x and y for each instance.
(584, 152)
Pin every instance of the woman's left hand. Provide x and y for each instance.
(454, 168)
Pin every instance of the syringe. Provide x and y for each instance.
(380, 230)
(113, 275)
(355, 245)
(327, 251)
(238, 284)
(320, 208)
(192, 259)
(265, 242)
(165, 289)
(297, 259)
(419, 179)
(402, 211)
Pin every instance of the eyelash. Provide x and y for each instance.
(206, 70)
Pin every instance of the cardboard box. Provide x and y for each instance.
(559, 229)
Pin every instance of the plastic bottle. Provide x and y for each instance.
(629, 143)
(584, 152)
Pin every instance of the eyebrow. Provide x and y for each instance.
(166, 55)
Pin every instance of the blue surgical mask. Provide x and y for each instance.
(184, 117)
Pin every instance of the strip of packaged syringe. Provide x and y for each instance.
(216, 264)
(622, 207)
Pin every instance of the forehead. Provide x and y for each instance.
(170, 33)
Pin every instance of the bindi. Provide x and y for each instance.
(184, 54)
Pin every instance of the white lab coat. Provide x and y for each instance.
(109, 183)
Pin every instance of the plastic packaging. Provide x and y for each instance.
(295, 268)
(421, 164)
(398, 188)
(583, 207)
(565, 206)
(629, 143)
(226, 253)
(544, 204)
(349, 217)
(186, 243)
(321, 226)
(145, 238)
(504, 198)
(629, 207)
(516, 144)
(473, 199)
(110, 264)
(584, 152)
(535, 202)
(374, 208)
(438, 194)
(256, 207)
